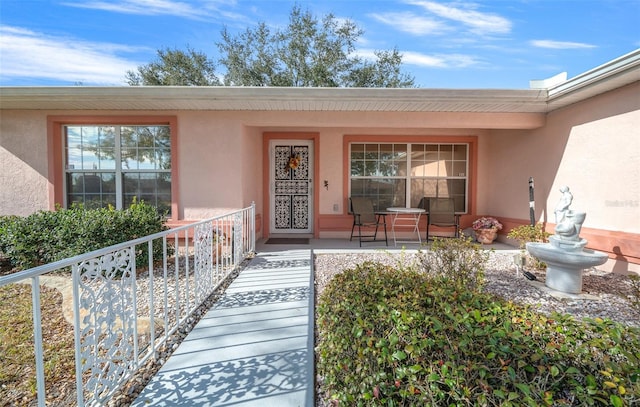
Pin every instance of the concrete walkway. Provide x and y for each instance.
(253, 348)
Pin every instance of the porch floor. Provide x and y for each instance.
(255, 346)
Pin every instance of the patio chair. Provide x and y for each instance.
(364, 216)
(441, 212)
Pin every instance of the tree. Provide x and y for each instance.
(307, 52)
(250, 58)
(176, 68)
(384, 73)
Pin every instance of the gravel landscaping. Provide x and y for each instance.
(605, 295)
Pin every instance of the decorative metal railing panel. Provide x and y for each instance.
(105, 321)
(203, 243)
(123, 313)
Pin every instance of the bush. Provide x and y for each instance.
(527, 233)
(390, 337)
(48, 236)
(459, 260)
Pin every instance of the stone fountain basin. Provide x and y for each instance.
(564, 268)
(582, 259)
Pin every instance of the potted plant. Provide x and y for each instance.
(486, 229)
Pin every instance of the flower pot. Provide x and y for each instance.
(486, 236)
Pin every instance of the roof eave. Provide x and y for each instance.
(614, 74)
(273, 99)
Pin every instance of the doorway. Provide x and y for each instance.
(291, 186)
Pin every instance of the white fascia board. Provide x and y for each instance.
(625, 64)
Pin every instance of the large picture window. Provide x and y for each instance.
(113, 165)
(402, 174)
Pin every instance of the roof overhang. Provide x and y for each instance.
(273, 99)
(617, 73)
(612, 75)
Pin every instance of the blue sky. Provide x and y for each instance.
(446, 44)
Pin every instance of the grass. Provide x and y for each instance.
(17, 365)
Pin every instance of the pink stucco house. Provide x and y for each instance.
(300, 153)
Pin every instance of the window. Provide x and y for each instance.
(402, 174)
(113, 165)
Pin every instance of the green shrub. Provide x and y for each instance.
(527, 233)
(390, 337)
(459, 260)
(47, 236)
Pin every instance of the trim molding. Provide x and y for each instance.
(266, 190)
(472, 141)
(55, 150)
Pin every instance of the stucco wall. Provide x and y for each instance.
(210, 151)
(211, 176)
(593, 147)
(601, 163)
(24, 187)
(251, 160)
(331, 166)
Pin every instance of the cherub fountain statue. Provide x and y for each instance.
(565, 254)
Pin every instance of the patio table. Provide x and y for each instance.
(403, 217)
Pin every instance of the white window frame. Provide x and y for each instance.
(409, 177)
(118, 171)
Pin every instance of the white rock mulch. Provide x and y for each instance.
(605, 295)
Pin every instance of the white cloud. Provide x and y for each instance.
(146, 7)
(27, 54)
(195, 10)
(428, 61)
(560, 44)
(438, 60)
(411, 23)
(465, 13)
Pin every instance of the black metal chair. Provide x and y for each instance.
(441, 212)
(364, 216)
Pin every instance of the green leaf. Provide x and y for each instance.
(524, 388)
(399, 355)
(572, 370)
(616, 401)
(393, 339)
(493, 369)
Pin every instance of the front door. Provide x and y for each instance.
(291, 186)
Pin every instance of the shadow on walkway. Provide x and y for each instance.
(253, 348)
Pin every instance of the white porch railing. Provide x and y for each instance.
(120, 323)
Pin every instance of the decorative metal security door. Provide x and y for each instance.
(291, 186)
